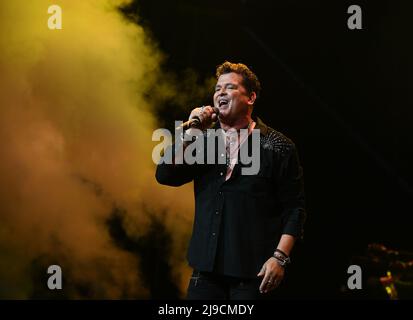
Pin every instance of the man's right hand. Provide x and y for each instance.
(206, 115)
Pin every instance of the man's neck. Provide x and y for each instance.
(240, 123)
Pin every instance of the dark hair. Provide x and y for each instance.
(250, 80)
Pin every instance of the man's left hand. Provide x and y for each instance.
(273, 275)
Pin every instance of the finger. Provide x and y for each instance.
(272, 285)
(268, 285)
(276, 283)
(203, 113)
(196, 112)
(208, 111)
(264, 282)
(262, 285)
(261, 273)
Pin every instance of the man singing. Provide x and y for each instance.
(245, 225)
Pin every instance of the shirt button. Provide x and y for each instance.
(221, 173)
(213, 234)
(222, 154)
(216, 212)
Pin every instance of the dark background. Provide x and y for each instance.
(343, 96)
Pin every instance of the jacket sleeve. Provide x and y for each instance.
(291, 194)
(172, 174)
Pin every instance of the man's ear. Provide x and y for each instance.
(252, 98)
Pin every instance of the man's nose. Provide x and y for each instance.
(221, 91)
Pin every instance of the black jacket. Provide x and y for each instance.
(239, 222)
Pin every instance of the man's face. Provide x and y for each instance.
(231, 97)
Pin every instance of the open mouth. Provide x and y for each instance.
(223, 103)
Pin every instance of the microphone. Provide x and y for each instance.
(195, 122)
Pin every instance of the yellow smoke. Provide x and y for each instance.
(72, 109)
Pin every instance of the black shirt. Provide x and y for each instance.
(238, 222)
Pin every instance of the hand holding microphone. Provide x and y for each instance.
(201, 118)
